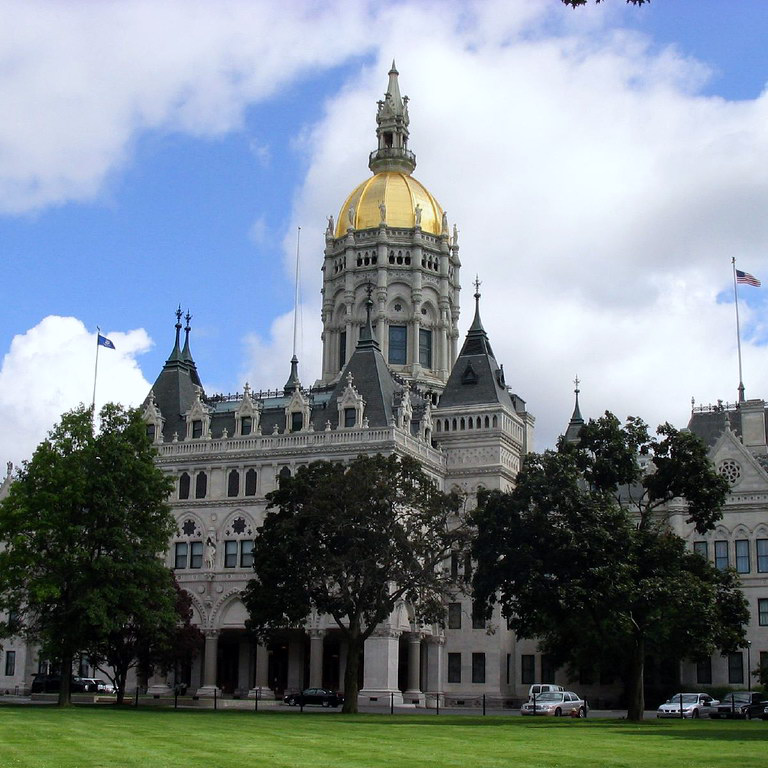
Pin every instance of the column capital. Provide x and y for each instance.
(211, 634)
(435, 639)
(317, 634)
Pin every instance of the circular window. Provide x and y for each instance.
(398, 307)
(731, 471)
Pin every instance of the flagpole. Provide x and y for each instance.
(738, 330)
(95, 372)
(296, 290)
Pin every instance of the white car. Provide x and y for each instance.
(691, 705)
(555, 703)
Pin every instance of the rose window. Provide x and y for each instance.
(731, 471)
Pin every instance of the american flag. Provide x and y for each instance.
(746, 279)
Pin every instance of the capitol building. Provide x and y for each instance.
(397, 378)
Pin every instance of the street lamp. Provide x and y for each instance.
(749, 665)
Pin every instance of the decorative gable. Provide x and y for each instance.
(248, 415)
(297, 412)
(198, 418)
(153, 418)
(351, 406)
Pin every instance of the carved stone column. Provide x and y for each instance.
(262, 671)
(414, 694)
(380, 667)
(435, 670)
(316, 637)
(210, 664)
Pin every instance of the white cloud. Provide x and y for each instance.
(598, 196)
(49, 370)
(268, 360)
(79, 80)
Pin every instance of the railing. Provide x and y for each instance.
(386, 153)
(718, 407)
(299, 440)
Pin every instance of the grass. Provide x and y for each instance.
(101, 737)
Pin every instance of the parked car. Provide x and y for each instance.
(693, 705)
(102, 686)
(765, 714)
(556, 703)
(322, 696)
(743, 705)
(42, 683)
(538, 688)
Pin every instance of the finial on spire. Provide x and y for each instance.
(394, 68)
(366, 338)
(477, 285)
(576, 383)
(187, 317)
(178, 316)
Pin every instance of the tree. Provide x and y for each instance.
(351, 542)
(82, 524)
(581, 554)
(153, 628)
(577, 3)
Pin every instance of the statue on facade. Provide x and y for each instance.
(417, 215)
(330, 225)
(383, 212)
(351, 215)
(445, 223)
(210, 553)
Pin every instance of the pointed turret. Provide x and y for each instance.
(186, 353)
(392, 131)
(174, 389)
(577, 422)
(293, 379)
(476, 377)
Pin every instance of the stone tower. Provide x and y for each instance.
(392, 235)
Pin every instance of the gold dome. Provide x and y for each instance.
(400, 193)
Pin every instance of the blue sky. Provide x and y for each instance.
(603, 165)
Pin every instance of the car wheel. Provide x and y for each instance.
(558, 712)
(326, 703)
(695, 714)
(582, 712)
(291, 702)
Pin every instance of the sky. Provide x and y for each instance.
(603, 166)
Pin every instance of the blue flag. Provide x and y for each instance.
(105, 342)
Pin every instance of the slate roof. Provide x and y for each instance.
(709, 425)
(476, 378)
(174, 388)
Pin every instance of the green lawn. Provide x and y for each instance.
(102, 737)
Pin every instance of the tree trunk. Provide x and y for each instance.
(120, 673)
(65, 690)
(635, 683)
(351, 687)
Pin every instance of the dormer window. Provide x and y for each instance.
(246, 425)
(350, 417)
(151, 432)
(297, 421)
(197, 428)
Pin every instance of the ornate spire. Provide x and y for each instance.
(293, 379)
(175, 355)
(576, 422)
(367, 340)
(477, 342)
(186, 353)
(392, 131)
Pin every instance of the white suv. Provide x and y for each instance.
(538, 688)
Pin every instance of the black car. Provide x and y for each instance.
(322, 696)
(42, 683)
(742, 705)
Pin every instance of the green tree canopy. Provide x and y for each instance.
(83, 525)
(581, 554)
(351, 541)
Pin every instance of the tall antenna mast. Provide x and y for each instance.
(296, 291)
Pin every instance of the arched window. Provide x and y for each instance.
(233, 483)
(454, 425)
(495, 422)
(487, 422)
(285, 473)
(201, 485)
(184, 486)
(462, 424)
(250, 482)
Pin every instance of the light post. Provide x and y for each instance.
(749, 665)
